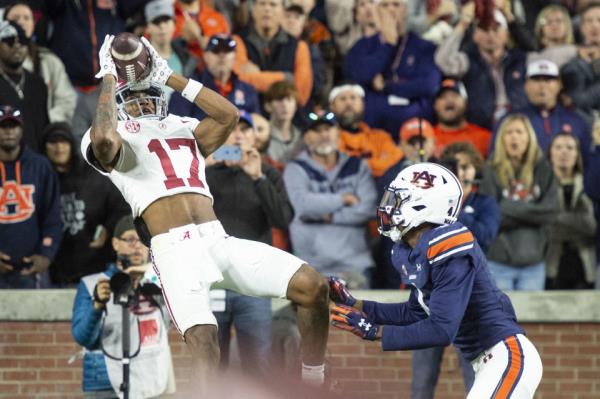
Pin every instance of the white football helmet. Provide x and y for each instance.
(421, 193)
(135, 97)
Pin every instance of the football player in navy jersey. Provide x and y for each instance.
(453, 297)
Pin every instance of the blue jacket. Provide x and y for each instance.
(86, 327)
(242, 96)
(592, 185)
(482, 90)
(481, 215)
(559, 119)
(30, 216)
(413, 77)
(453, 297)
(75, 43)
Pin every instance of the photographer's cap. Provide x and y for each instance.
(124, 224)
(542, 68)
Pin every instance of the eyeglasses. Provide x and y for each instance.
(130, 241)
(11, 40)
(329, 117)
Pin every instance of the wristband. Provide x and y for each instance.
(191, 90)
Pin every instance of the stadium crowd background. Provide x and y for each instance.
(518, 80)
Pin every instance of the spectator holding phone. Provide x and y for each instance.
(249, 199)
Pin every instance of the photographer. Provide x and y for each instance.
(97, 323)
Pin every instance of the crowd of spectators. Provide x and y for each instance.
(338, 97)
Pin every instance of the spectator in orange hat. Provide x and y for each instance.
(450, 108)
(195, 22)
(356, 137)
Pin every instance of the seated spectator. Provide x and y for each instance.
(30, 225)
(219, 76)
(97, 324)
(357, 139)
(350, 21)
(250, 199)
(20, 88)
(520, 178)
(450, 108)
(546, 114)
(195, 22)
(90, 207)
(493, 75)
(43, 62)
(280, 102)
(571, 257)
(294, 21)
(160, 28)
(580, 79)
(480, 214)
(417, 142)
(267, 54)
(333, 196)
(395, 68)
(592, 187)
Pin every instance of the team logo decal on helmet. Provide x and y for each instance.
(421, 193)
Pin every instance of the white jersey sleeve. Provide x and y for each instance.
(158, 158)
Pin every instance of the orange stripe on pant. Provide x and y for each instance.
(449, 243)
(514, 369)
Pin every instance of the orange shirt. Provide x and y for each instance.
(211, 23)
(374, 145)
(303, 76)
(476, 135)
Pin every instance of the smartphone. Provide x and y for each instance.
(228, 153)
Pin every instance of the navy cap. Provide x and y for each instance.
(221, 43)
(314, 120)
(9, 113)
(246, 117)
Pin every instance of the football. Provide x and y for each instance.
(131, 57)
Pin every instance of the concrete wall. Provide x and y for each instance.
(36, 346)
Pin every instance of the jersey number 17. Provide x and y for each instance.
(174, 144)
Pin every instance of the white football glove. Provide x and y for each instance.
(107, 64)
(160, 71)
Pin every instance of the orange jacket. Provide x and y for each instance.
(303, 76)
(476, 135)
(375, 145)
(210, 20)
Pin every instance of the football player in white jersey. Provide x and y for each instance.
(157, 162)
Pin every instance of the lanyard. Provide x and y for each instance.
(18, 88)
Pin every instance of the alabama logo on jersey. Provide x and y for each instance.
(16, 202)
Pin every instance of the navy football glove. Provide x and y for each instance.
(355, 321)
(338, 292)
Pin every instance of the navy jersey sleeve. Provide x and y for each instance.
(452, 285)
(398, 314)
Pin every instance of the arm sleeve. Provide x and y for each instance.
(374, 58)
(449, 58)
(395, 314)
(274, 199)
(452, 282)
(307, 204)
(366, 208)
(523, 38)
(50, 215)
(303, 73)
(86, 322)
(592, 176)
(64, 97)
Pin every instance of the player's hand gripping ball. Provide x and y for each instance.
(132, 58)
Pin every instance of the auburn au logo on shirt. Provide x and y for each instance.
(16, 202)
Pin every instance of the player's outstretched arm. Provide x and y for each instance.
(106, 142)
(222, 116)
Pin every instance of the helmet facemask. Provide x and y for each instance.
(135, 101)
(390, 220)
